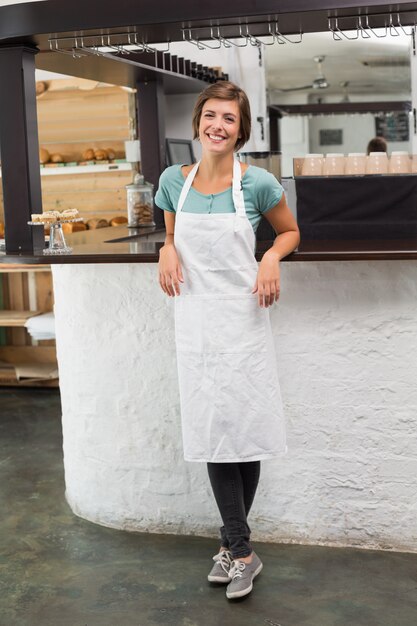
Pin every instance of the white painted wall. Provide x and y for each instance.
(345, 334)
(357, 131)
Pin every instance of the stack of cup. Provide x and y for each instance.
(334, 164)
(313, 165)
(355, 164)
(377, 163)
(399, 163)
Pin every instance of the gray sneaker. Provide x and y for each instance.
(242, 575)
(220, 570)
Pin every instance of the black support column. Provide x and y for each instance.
(19, 148)
(151, 118)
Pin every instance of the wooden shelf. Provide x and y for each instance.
(84, 169)
(16, 318)
(19, 355)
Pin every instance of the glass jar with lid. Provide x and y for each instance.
(140, 202)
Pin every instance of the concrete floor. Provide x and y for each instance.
(59, 570)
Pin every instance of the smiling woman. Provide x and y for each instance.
(231, 409)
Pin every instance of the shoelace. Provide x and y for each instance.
(237, 569)
(224, 559)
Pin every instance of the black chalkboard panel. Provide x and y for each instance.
(348, 207)
(393, 127)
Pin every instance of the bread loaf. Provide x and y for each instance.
(73, 227)
(117, 221)
(97, 223)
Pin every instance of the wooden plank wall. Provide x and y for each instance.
(27, 291)
(70, 120)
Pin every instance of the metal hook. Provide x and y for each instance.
(373, 31)
(215, 39)
(410, 34)
(256, 41)
(392, 30)
(196, 42)
(336, 27)
(72, 52)
(138, 44)
(228, 43)
(90, 50)
(284, 38)
(251, 38)
(363, 31)
(336, 37)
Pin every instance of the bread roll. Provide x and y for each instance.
(100, 155)
(111, 154)
(43, 155)
(97, 223)
(57, 158)
(88, 155)
(117, 221)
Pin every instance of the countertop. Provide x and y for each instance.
(126, 245)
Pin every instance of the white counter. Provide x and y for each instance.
(346, 337)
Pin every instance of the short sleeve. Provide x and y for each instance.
(163, 197)
(268, 191)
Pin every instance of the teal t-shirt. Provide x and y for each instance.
(261, 192)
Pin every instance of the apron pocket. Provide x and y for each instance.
(220, 323)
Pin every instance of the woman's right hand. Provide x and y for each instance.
(170, 273)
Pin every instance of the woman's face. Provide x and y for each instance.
(219, 125)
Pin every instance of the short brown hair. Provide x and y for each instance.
(225, 90)
(377, 144)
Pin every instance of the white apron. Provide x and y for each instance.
(230, 398)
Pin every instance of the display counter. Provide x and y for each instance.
(345, 336)
(120, 244)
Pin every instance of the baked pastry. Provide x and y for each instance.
(97, 223)
(100, 155)
(88, 155)
(117, 221)
(69, 214)
(43, 155)
(57, 158)
(50, 216)
(36, 217)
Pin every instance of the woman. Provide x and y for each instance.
(231, 407)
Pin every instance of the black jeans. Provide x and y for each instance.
(234, 486)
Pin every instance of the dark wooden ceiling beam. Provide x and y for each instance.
(162, 20)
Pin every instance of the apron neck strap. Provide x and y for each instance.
(187, 186)
(237, 191)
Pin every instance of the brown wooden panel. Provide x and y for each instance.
(44, 292)
(28, 354)
(15, 318)
(16, 301)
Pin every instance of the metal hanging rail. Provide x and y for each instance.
(239, 35)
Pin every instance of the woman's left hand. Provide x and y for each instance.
(267, 281)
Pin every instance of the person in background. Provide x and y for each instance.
(231, 408)
(377, 144)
